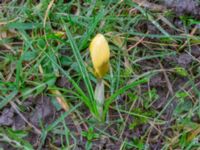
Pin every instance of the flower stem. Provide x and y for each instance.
(99, 96)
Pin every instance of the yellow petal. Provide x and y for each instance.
(100, 55)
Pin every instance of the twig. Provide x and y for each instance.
(9, 21)
(136, 44)
(193, 134)
(14, 106)
(167, 80)
(191, 34)
(152, 6)
(47, 12)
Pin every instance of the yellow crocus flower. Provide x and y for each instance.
(100, 55)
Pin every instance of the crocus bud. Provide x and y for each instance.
(100, 54)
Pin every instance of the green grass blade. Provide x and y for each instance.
(92, 26)
(81, 93)
(8, 98)
(82, 68)
(56, 122)
(121, 91)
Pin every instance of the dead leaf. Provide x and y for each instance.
(6, 117)
(61, 100)
(193, 134)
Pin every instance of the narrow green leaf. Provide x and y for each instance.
(91, 27)
(8, 98)
(82, 68)
(82, 94)
(146, 14)
(121, 91)
(23, 26)
(56, 122)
